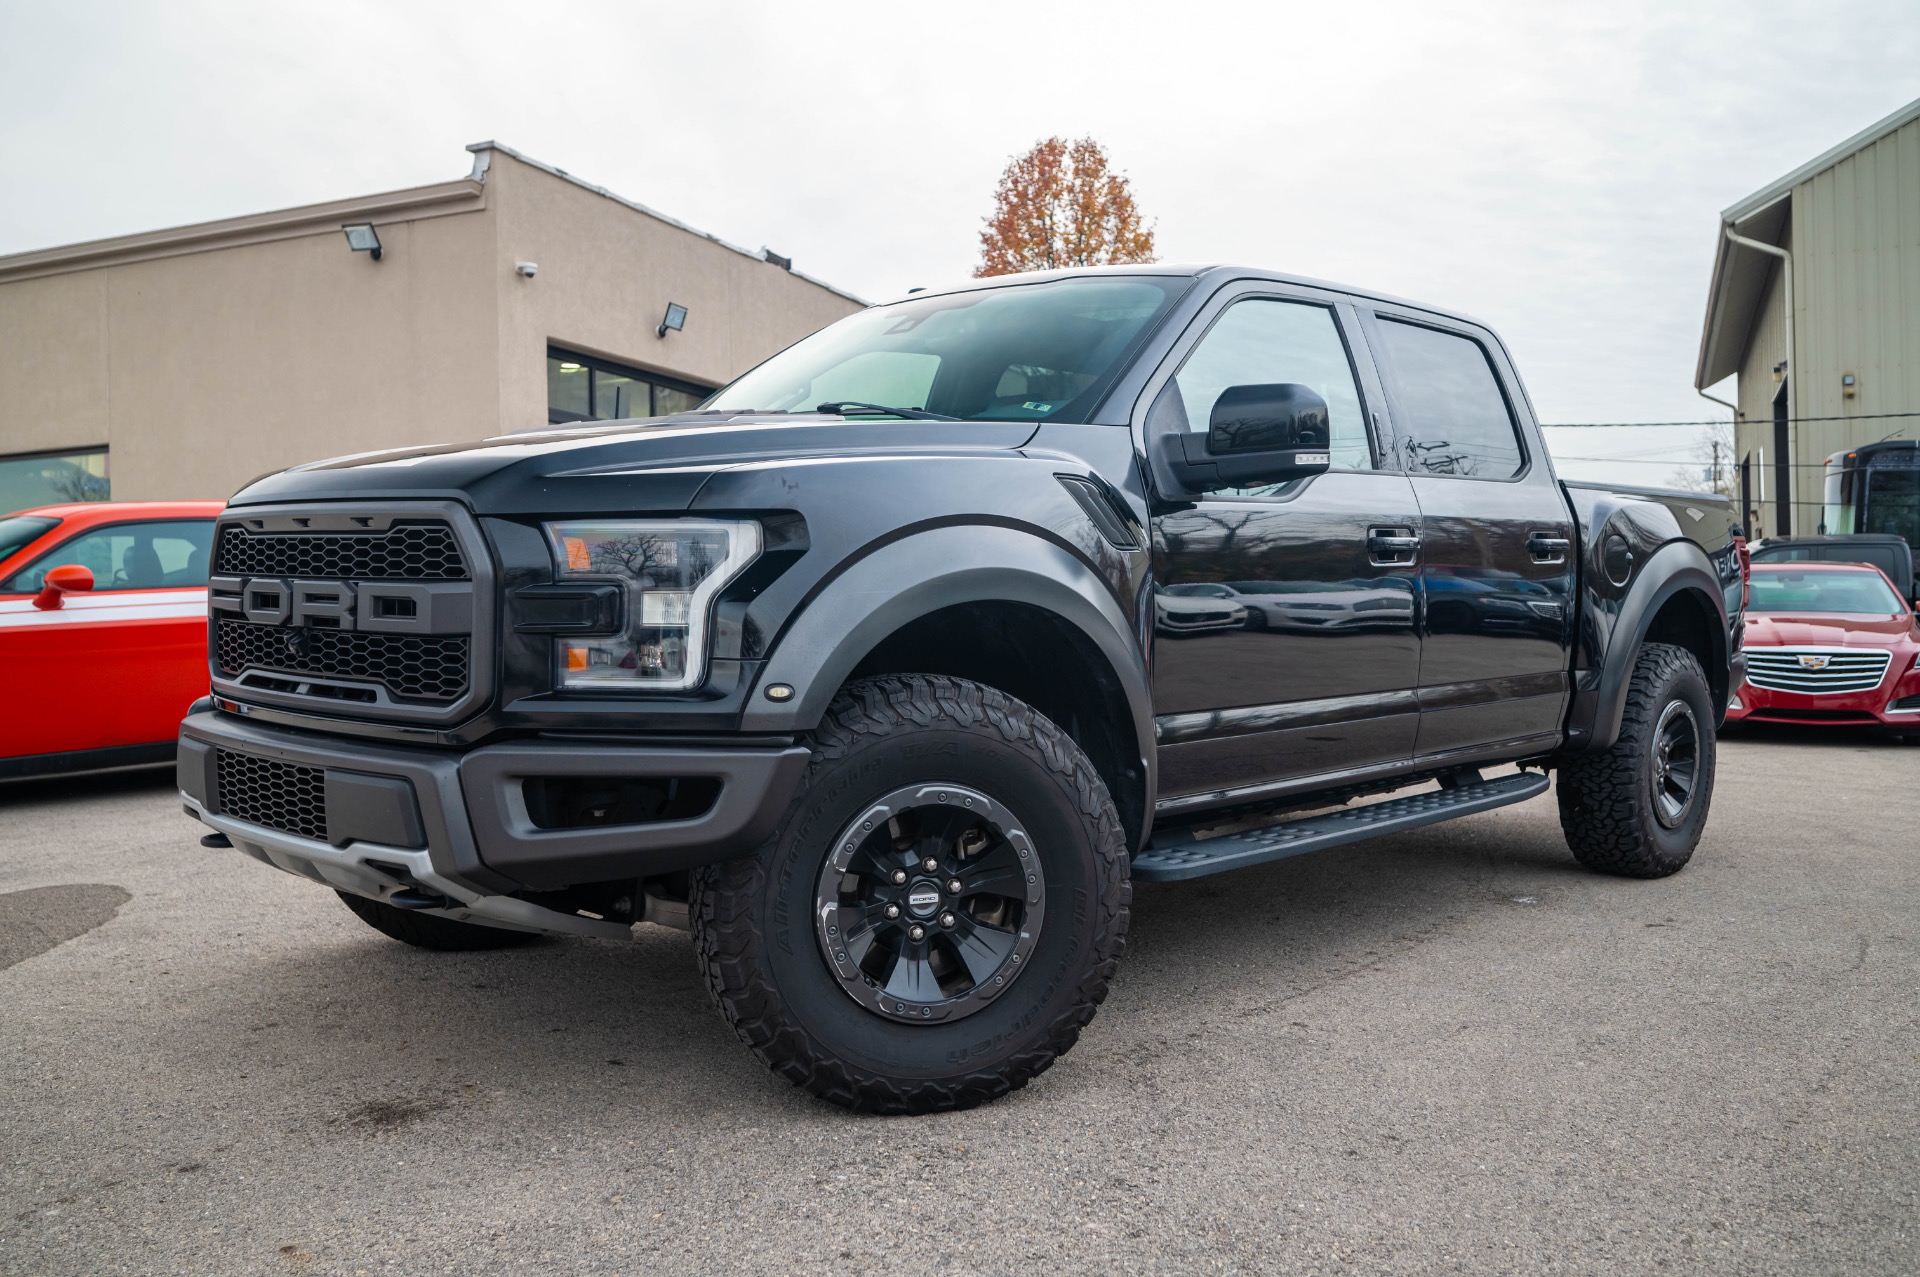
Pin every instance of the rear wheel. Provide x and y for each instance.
(1638, 809)
(939, 912)
(430, 931)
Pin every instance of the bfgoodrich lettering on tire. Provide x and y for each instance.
(939, 912)
(1638, 809)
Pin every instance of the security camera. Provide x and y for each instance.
(529, 269)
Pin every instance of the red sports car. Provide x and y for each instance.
(103, 632)
(1830, 643)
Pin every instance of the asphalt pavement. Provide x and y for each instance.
(1452, 1051)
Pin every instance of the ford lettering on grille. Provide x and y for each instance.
(386, 607)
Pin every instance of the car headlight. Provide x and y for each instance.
(671, 571)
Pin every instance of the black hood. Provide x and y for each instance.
(654, 465)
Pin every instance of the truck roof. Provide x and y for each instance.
(1213, 271)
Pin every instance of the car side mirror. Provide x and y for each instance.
(1256, 434)
(69, 578)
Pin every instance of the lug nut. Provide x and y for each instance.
(899, 876)
(947, 920)
(916, 932)
(953, 886)
(929, 864)
(893, 911)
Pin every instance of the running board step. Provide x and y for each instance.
(1196, 858)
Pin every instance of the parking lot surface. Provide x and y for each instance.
(1447, 1052)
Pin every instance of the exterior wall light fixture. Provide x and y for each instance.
(362, 238)
(676, 318)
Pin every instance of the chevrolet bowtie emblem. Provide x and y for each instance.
(1814, 662)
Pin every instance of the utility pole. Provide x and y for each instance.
(1716, 465)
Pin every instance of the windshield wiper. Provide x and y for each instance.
(911, 414)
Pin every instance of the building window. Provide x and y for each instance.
(53, 478)
(583, 388)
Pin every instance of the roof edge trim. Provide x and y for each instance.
(461, 196)
(1860, 141)
(480, 168)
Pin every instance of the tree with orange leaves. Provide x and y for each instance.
(1061, 205)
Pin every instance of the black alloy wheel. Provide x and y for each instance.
(1675, 762)
(930, 902)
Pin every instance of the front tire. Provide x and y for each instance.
(430, 931)
(1638, 809)
(855, 970)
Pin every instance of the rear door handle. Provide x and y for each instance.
(1389, 547)
(1547, 548)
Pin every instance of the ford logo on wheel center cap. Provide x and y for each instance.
(923, 899)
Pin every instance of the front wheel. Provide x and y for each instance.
(1638, 808)
(941, 908)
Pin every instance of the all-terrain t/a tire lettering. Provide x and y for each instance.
(754, 920)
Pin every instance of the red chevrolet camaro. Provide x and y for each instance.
(1829, 643)
(103, 632)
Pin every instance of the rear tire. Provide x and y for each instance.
(1638, 809)
(1002, 975)
(430, 931)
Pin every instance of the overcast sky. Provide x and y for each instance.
(1555, 169)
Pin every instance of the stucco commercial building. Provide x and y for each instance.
(183, 363)
(1815, 305)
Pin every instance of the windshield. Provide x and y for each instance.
(1030, 352)
(20, 529)
(1860, 590)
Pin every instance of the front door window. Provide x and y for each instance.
(128, 556)
(1263, 341)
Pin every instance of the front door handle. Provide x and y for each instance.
(1547, 548)
(1388, 547)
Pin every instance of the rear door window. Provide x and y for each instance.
(1454, 416)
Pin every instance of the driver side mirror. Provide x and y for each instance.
(1256, 434)
(67, 579)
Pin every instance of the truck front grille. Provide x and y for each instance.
(356, 609)
(1822, 673)
(265, 791)
(404, 552)
(413, 667)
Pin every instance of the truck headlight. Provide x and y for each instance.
(671, 570)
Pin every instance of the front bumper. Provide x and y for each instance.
(457, 825)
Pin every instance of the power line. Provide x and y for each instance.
(1691, 463)
(1606, 425)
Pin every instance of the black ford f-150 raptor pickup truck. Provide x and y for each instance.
(893, 667)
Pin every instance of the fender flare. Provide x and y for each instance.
(923, 573)
(1677, 567)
